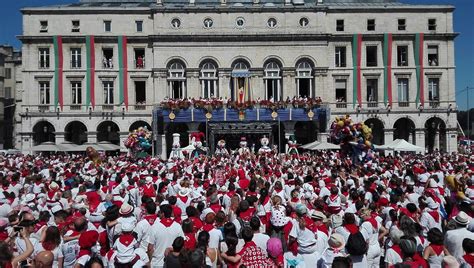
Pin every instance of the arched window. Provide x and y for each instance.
(240, 89)
(272, 80)
(208, 80)
(176, 81)
(304, 79)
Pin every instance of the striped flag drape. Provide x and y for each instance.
(123, 73)
(418, 47)
(387, 58)
(90, 73)
(356, 62)
(58, 71)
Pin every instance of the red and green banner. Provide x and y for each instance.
(419, 45)
(123, 73)
(387, 71)
(356, 59)
(58, 71)
(90, 72)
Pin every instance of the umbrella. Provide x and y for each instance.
(324, 146)
(108, 146)
(48, 146)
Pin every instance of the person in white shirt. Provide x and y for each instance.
(143, 228)
(453, 238)
(259, 238)
(163, 233)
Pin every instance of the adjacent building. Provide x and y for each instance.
(10, 84)
(93, 70)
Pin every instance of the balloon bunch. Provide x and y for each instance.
(345, 131)
(138, 140)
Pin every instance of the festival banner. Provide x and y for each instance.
(90, 72)
(58, 71)
(419, 45)
(387, 58)
(123, 70)
(356, 60)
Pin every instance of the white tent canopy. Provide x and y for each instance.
(48, 146)
(401, 145)
(318, 146)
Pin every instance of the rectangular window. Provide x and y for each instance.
(371, 25)
(139, 58)
(108, 92)
(8, 73)
(340, 56)
(402, 25)
(340, 25)
(76, 58)
(43, 57)
(403, 92)
(140, 93)
(76, 26)
(8, 92)
(107, 26)
(44, 93)
(433, 55)
(402, 55)
(371, 56)
(43, 26)
(433, 89)
(372, 92)
(76, 92)
(107, 60)
(139, 24)
(432, 24)
(341, 93)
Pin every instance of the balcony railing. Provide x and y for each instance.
(139, 63)
(372, 104)
(76, 107)
(108, 107)
(140, 107)
(403, 104)
(341, 105)
(108, 63)
(434, 103)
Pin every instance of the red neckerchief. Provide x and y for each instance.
(295, 199)
(246, 215)
(208, 227)
(230, 194)
(352, 228)
(215, 207)
(265, 201)
(150, 218)
(183, 199)
(39, 225)
(167, 222)
(437, 248)
(278, 190)
(469, 259)
(397, 249)
(3, 235)
(373, 222)
(333, 197)
(126, 239)
(197, 223)
(323, 228)
(38, 183)
(83, 252)
(435, 215)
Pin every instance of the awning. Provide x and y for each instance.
(48, 146)
(108, 146)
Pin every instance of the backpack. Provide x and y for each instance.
(356, 244)
(243, 224)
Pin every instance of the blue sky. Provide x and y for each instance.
(10, 26)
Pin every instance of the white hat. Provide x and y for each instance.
(29, 198)
(125, 209)
(223, 188)
(56, 209)
(53, 186)
(127, 226)
(423, 178)
(183, 192)
(148, 179)
(205, 212)
(462, 218)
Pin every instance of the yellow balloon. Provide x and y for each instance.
(340, 123)
(368, 143)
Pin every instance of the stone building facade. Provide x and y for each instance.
(10, 85)
(94, 70)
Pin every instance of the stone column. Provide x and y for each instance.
(92, 136)
(193, 87)
(388, 136)
(289, 84)
(451, 141)
(224, 82)
(436, 139)
(59, 136)
(420, 138)
(323, 136)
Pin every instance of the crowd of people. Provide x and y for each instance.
(241, 210)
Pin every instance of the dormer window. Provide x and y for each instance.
(43, 26)
(76, 26)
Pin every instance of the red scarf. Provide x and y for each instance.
(215, 207)
(83, 252)
(295, 199)
(230, 194)
(333, 197)
(49, 246)
(352, 228)
(398, 250)
(208, 227)
(197, 223)
(469, 259)
(126, 239)
(374, 223)
(438, 249)
(150, 218)
(435, 215)
(183, 199)
(167, 222)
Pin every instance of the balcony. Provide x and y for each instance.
(108, 107)
(372, 104)
(139, 63)
(76, 107)
(140, 107)
(434, 103)
(43, 108)
(108, 63)
(341, 105)
(403, 104)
